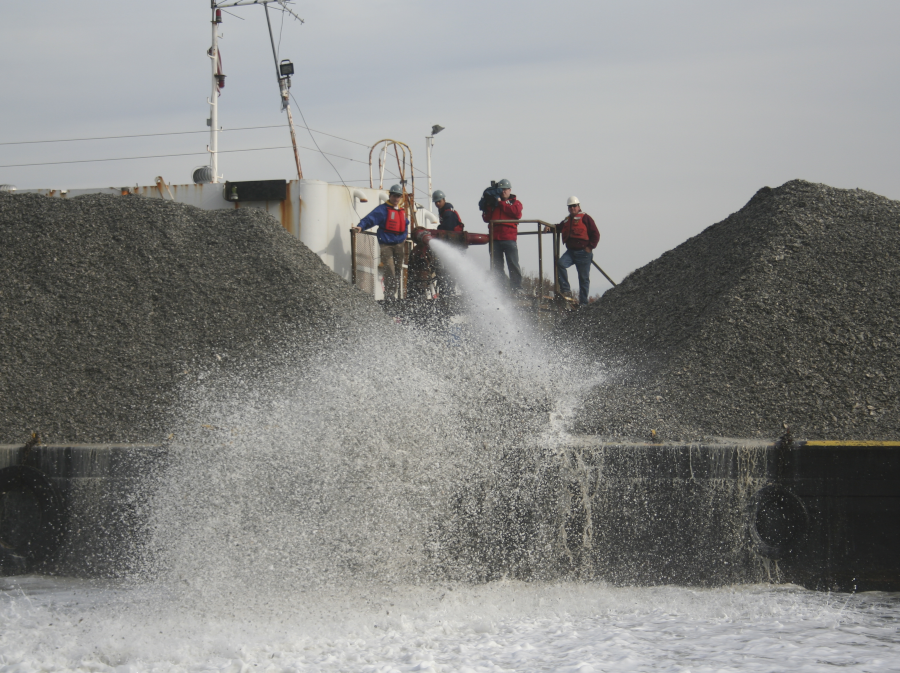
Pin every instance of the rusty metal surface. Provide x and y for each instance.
(160, 184)
(286, 211)
(294, 141)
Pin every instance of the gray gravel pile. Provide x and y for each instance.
(109, 304)
(787, 312)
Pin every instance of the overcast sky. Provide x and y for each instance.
(663, 117)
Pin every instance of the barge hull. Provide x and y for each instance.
(824, 515)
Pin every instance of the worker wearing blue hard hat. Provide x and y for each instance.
(393, 225)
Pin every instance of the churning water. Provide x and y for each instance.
(55, 625)
(308, 519)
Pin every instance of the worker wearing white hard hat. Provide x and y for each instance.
(580, 234)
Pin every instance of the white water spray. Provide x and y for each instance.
(346, 468)
(558, 362)
(497, 322)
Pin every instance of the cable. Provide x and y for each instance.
(183, 154)
(421, 173)
(190, 154)
(175, 133)
(280, 33)
(314, 140)
(139, 135)
(352, 200)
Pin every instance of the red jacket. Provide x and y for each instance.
(579, 243)
(505, 210)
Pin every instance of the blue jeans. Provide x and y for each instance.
(511, 250)
(582, 261)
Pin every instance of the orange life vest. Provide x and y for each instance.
(396, 220)
(575, 228)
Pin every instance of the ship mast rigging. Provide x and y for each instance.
(283, 71)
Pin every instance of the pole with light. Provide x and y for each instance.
(429, 143)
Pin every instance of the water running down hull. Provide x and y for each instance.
(818, 514)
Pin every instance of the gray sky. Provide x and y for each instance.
(663, 117)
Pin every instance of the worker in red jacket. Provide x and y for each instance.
(581, 236)
(506, 207)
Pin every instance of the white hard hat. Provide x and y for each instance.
(573, 200)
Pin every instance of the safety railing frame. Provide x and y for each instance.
(557, 246)
(542, 228)
(404, 270)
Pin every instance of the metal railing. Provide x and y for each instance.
(373, 270)
(542, 228)
(557, 245)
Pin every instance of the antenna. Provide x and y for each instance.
(283, 71)
(239, 3)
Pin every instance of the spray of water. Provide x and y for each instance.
(495, 319)
(558, 360)
(386, 458)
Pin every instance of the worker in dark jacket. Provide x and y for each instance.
(450, 220)
(506, 207)
(393, 225)
(581, 236)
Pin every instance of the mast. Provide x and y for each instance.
(214, 96)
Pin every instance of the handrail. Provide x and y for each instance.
(542, 228)
(409, 197)
(547, 228)
(557, 244)
(354, 232)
